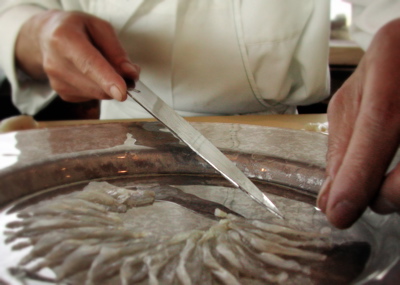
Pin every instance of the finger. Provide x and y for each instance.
(91, 63)
(72, 94)
(388, 199)
(106, 40)
(368, 155)
(72, 86)
(68, 92)
(342, 112)
(69, 35)
(342, 115)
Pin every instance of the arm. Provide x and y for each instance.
(78, 53)
(28, 100)
(364, 127)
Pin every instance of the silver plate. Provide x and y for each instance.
(199, 144)
(286, 164)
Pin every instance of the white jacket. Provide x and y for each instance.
(369, 16)
(203, 57)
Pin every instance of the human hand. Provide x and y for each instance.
(79, 54)
(364, 134)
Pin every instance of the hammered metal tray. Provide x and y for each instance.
(288, 165)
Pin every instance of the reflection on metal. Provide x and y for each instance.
(199, 144)
(101, 244)
(8, 150)
(288, 166)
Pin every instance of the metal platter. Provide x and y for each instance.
(288, 165)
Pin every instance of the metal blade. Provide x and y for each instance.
(199, 144)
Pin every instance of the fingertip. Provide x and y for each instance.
(343, 214)
(116, 93)
(124, 97)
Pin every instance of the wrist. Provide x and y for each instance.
(28, 49)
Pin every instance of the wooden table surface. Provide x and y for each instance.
(299, 122)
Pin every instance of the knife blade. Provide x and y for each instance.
(199, 144)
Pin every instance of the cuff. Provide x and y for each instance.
(28, 98)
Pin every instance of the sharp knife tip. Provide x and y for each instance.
(271, 207)
(276, 212)
(265, 201)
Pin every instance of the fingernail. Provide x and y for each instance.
(115, 93)
(344, 214)
(322, 199)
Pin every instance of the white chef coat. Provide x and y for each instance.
(368, 16)
(203, 57)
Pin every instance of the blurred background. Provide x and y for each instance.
(344, 57)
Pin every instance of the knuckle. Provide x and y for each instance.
(337, 103)
(348, 97)
(105, 26)
(102, 26)
(60, 88)
(71, 19)
(59, 32)
(85, 64)
(90, 65)
(57, 39)
(50, 68)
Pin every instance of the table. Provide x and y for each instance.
(299, 122)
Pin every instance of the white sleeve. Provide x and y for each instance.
(28, 96)
(369, 16)
(2, 75)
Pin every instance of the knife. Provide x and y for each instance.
(199, 144)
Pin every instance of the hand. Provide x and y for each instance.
(79, 54)
(364, 134)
